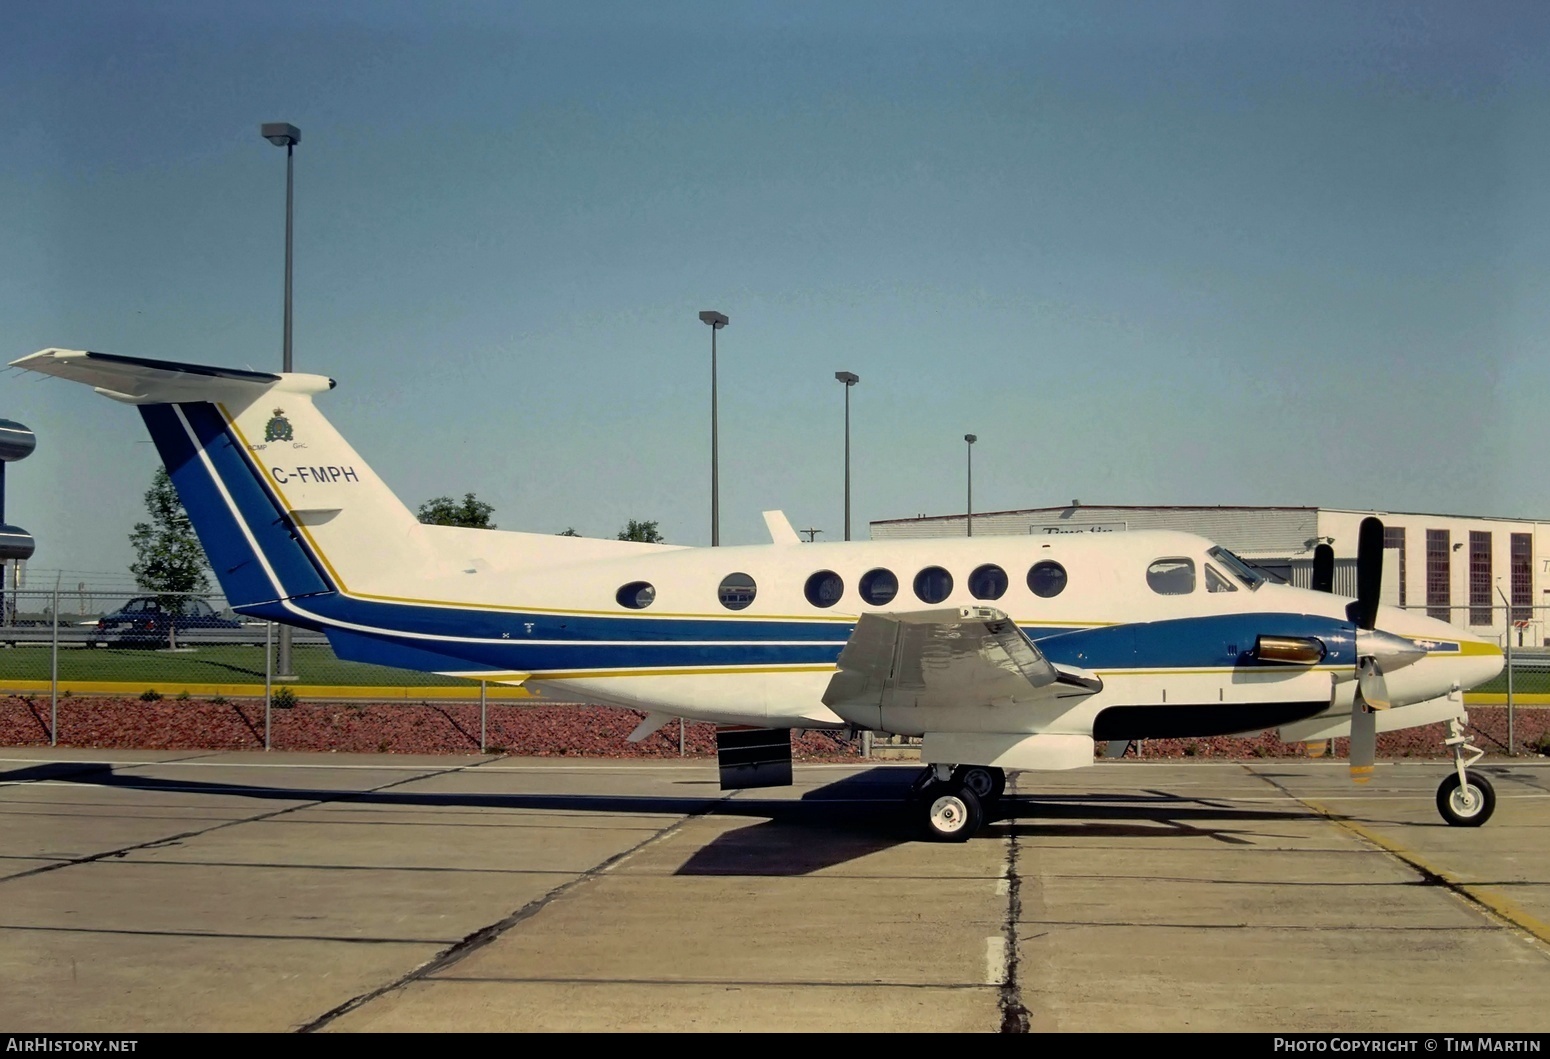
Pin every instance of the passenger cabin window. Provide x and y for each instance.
(1171, 577)
(988, 582)
(933, 584)
(736, 591)
(637, 595)
(1216, 582)
(1047, 579)
(879, 587)
(824, 588)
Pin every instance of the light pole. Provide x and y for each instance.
(716, 321)
(283, 134)
(971, 439)
(849, 378)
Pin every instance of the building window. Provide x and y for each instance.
(1479, 578)
(1522, 576)
(1438, 598)
(1394, 537)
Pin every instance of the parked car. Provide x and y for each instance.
(144, 619)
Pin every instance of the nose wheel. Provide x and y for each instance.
(1464, 798)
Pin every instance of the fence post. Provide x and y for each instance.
(53, 673)
(483, 684)
(268, 676)
(1512, 742)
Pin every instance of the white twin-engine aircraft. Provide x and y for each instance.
(1001, 652)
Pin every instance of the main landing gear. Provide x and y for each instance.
(1465, 799)
(951, 803)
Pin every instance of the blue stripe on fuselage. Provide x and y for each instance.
(526, 641)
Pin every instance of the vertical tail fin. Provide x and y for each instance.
(283, 505)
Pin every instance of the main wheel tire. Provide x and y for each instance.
(1466, 805)
(950, 812)
(986, 781)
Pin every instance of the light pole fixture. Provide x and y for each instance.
(716, 321)
(284, 134)
(849, 378)
(971, 439)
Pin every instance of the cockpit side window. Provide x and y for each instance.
(1217, 582)
(1171, 576)
(1237, 567)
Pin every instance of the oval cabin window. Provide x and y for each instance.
(637, 595)
(736, 591)
(933, 584)
(1047, 579)
(824, 588)
(987, 582)
(879, 586)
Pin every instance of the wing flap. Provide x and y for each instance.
(957, 656)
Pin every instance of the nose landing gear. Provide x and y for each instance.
(1464, 798)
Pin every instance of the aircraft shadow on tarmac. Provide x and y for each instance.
(843, 821)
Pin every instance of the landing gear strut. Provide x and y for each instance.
(951, 803)
(1465, 799)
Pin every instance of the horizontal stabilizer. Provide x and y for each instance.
(137, 380)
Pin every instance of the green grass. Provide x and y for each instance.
(1524, 681)
(210, 664)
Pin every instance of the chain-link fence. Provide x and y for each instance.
(186, 645)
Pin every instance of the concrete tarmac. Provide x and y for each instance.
(191, 891)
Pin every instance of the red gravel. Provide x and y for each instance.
(561, 731)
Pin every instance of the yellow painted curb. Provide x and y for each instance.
(1499, 698)
(428, 693)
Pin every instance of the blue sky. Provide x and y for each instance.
(1175, 253)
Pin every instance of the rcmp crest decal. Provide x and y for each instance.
(278, 428)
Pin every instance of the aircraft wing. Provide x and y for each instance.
(955, 656)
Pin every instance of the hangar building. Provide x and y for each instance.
(1452, 566)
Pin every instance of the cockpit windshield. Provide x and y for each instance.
(1238, 568)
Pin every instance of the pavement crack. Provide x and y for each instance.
(1495, 909)
(487, 934)
(178, 839)
(1014, 1016)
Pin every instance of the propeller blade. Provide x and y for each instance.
(1373, 687)
(1364, 741)
(1369, 572)
(1323, 568)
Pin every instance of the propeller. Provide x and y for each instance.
(1323, 569)
(1371, 689)
(1377, 653)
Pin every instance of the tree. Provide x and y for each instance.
(568, 531)
(444, 511)
(645, 532)
(169, 559)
